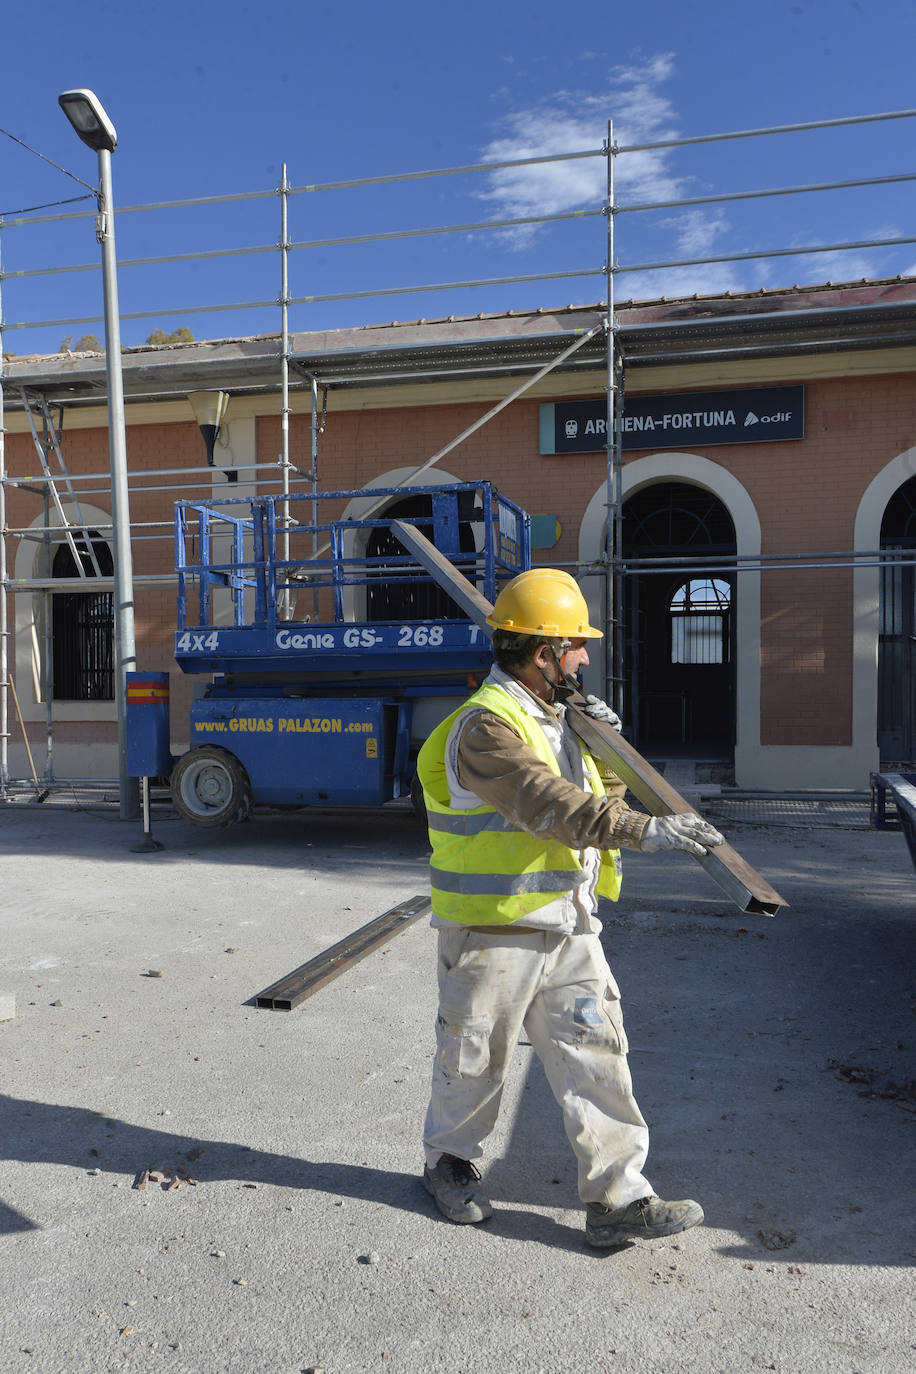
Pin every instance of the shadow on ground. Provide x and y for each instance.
(44, 1133)
(270, 839)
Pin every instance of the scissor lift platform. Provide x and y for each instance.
(268, 588)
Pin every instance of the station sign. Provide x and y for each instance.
(695, 419)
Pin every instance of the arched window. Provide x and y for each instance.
(678, 612)
(698, 620)
(82, 625)
(418, 598)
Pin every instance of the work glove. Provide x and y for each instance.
(690, 834)
(599, 710)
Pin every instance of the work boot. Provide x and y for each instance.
(646, 1219)
(454, 1183)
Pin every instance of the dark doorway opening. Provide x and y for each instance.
(82, 625)
(417, 598)
(679, 623)
(897, 633)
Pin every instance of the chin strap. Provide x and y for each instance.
(559, 691)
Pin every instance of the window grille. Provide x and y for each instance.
(699, 621)
(83, 627)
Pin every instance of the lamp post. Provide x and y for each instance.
(85, 112)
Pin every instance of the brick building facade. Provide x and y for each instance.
(802, 671)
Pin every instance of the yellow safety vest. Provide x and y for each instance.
(483, 871)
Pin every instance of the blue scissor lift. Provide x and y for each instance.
(331, 653)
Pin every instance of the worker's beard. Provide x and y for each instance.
(560, 692)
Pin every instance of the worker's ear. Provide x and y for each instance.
(543, 655)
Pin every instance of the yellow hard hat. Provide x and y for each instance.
(543, 601)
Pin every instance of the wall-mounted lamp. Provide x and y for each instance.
(210, 409)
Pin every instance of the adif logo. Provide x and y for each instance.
(780, 417)
(572, 428)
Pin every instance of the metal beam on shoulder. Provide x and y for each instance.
(734, 875)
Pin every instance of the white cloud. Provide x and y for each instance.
(694, 234)
(697, 231)
(643, 113)
(707, 279)
(847, 265)
(570, 122)
(854, 263)
(842, 264)
(885, 231)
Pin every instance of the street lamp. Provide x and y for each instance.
(84, 111)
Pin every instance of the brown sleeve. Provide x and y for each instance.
(499, 767)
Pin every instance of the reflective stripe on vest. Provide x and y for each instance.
(484, 870)
(507, 884)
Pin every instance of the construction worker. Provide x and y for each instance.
(525, 836)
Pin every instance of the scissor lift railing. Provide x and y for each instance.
(262, 585)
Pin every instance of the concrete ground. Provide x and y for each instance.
(773, 1059)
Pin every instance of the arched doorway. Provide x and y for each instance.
(82, 625)
(679, 621)
(897, 632)
(414, 599)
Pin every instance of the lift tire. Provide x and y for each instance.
(210, 787)
(417, 800)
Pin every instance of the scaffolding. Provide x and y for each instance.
(61, 492)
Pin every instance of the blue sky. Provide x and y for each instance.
(212, 99)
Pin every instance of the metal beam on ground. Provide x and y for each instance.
(295, 987)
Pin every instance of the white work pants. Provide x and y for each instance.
(559, 989)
